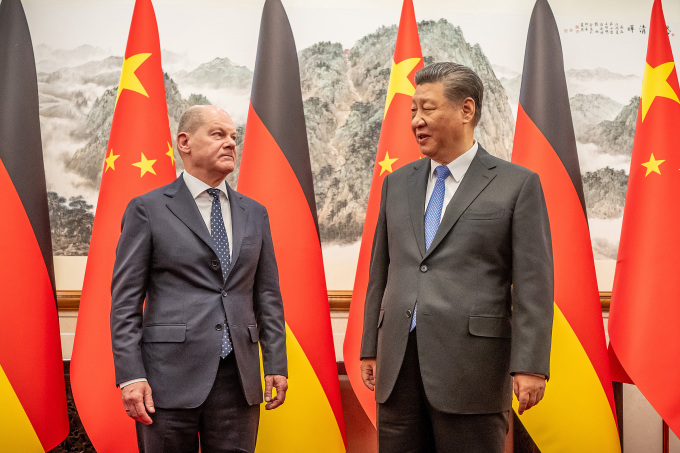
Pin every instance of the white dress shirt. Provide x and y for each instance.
(458, 167)
(204, 203)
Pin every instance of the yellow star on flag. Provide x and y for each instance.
(653, 165)
(110, 161)
(399, 82)
(655, 83)
(145, 165)
(128, 78)
(386, 163)
(170, 154)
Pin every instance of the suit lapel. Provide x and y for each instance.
(183, 206)
(239, 219)
(417, 180)
(478, 176)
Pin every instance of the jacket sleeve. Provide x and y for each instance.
(128, 291)
(377, 281)
(533, 281)
(268, 306)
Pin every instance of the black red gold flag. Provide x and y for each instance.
(545, 143)
(276, 171)
(33, 416)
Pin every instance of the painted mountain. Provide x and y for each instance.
(344, 95)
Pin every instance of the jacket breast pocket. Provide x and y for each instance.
(164, 333)
(490, 327)
(252, 240)
(471, 214)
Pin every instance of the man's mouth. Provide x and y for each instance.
(421, 137)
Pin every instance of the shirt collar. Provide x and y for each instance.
(459, 165)
(197, 187)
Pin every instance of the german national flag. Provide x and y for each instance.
(397, 147)
(139, 158)
(276, 171)
(577, 413)
(33, 417)
(645, 309)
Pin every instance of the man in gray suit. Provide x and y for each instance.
(201, 256)
(460, 294)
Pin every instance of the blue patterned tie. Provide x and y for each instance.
(219, 235)
(433, 215)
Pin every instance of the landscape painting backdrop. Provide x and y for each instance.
(344, 83)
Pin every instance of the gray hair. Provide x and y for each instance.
(459, 81)
(191, 120)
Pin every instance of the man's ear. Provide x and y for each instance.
(183, 143)
(469, 109)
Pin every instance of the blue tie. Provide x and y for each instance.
(219, 235)
(433, 215)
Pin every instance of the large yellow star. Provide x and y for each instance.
(110, 161)
(655, 83)
(170, 154)
(399, 82)
(128, 78)
(145, 165)
(386, 163)
(653, 165)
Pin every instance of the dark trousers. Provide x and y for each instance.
(407, 422)
(225, 422)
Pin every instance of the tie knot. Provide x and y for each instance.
(442, 172)
(215, 193)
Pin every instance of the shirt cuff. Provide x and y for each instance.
(132, 381)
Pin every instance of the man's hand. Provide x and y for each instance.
(529, 389)
(280, 383)
(137, 401)
(368, 373)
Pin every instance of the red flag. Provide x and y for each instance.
(32, 390)
(139, 158)
(276, 171)
(545, 143)
(396, 148)
(645, 308)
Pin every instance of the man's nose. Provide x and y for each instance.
(417, 119)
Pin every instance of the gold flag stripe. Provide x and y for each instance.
(574, 399)
(16, 431)
(306, 408)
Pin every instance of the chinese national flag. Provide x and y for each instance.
(33, 416)
(645, 308)
(139, 158)
(397, 147)
(276, 171)
(545, 143)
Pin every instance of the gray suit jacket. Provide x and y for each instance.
(166, 255)
(484, 287)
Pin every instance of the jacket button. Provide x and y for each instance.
(218, 327)
(408, 313)
(214, 263)
(224, 294)
(423, 268)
